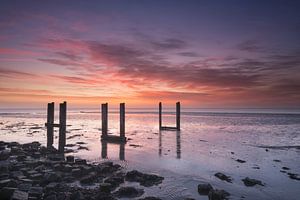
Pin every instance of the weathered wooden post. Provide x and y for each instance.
(159, 115)
(62, 126)
(178, 116)
(122, 120)
(104, 113)
(50, 121)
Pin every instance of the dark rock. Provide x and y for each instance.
(68, 151)
(218, 194)
(6, 193)
(51, 197)
(83, 148)
(76, 172)
(294, 176)
(105, 187)
(129, 192)
(77, 196)
(249, 182)
(51, 186)
(56, 157)
(80, 161)
(276, 160)
(146, 180)
(150, 198)
(70, 159)
(67, 168)
(4, 155)
(223, 177)
(115, 181)
(203, 189)
(35, 192)
(25, 187)
(36, 176)
(4, 183)
(240, 161)
(285, 168)
(51, 177)
(88, 179)
(19, 195)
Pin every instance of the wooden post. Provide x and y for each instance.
(50, 121)
(122, 120)
(178, 116)
(104, 112)
(62, 127)
(159, 115)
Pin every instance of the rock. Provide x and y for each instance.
(203, 189)
(88, 179)
(51, 186)
(276, 160)
(6, 193)
(35, 192)
(67, 168)
(146, 180)
(76, 172)
(83, 148)
(51, 177)
(129, 192)
(51, 197)
(77, 196)
(80, 161)
(4, 155)
(150, 198)
(240, 161)
(285, 168)
(24, 187)
(56, 157)
(294, 176)
(223, 177)
(114, 181)
(105, 187)
(19, 195)
(4, 183)
(70, 159)
(215, 194)
(249, 182)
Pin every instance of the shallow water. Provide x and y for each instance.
(209, 142)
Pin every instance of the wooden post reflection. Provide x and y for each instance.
(159, 144)
(178, 144)
(104, 150)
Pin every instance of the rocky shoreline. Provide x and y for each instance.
(31, 171)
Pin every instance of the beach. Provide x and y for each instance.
(228, 150)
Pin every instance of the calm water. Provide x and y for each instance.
(209, 142)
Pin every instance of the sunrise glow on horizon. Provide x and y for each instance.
(230, 55)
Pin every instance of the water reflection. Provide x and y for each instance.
(178, 144)
(104, 150)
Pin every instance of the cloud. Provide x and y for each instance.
(136, 67)
(168, 44)
(250, 46)
(9, 73)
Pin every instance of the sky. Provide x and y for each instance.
(206, 54)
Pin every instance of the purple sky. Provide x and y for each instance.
(204, 53)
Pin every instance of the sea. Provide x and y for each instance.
(263, 144)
